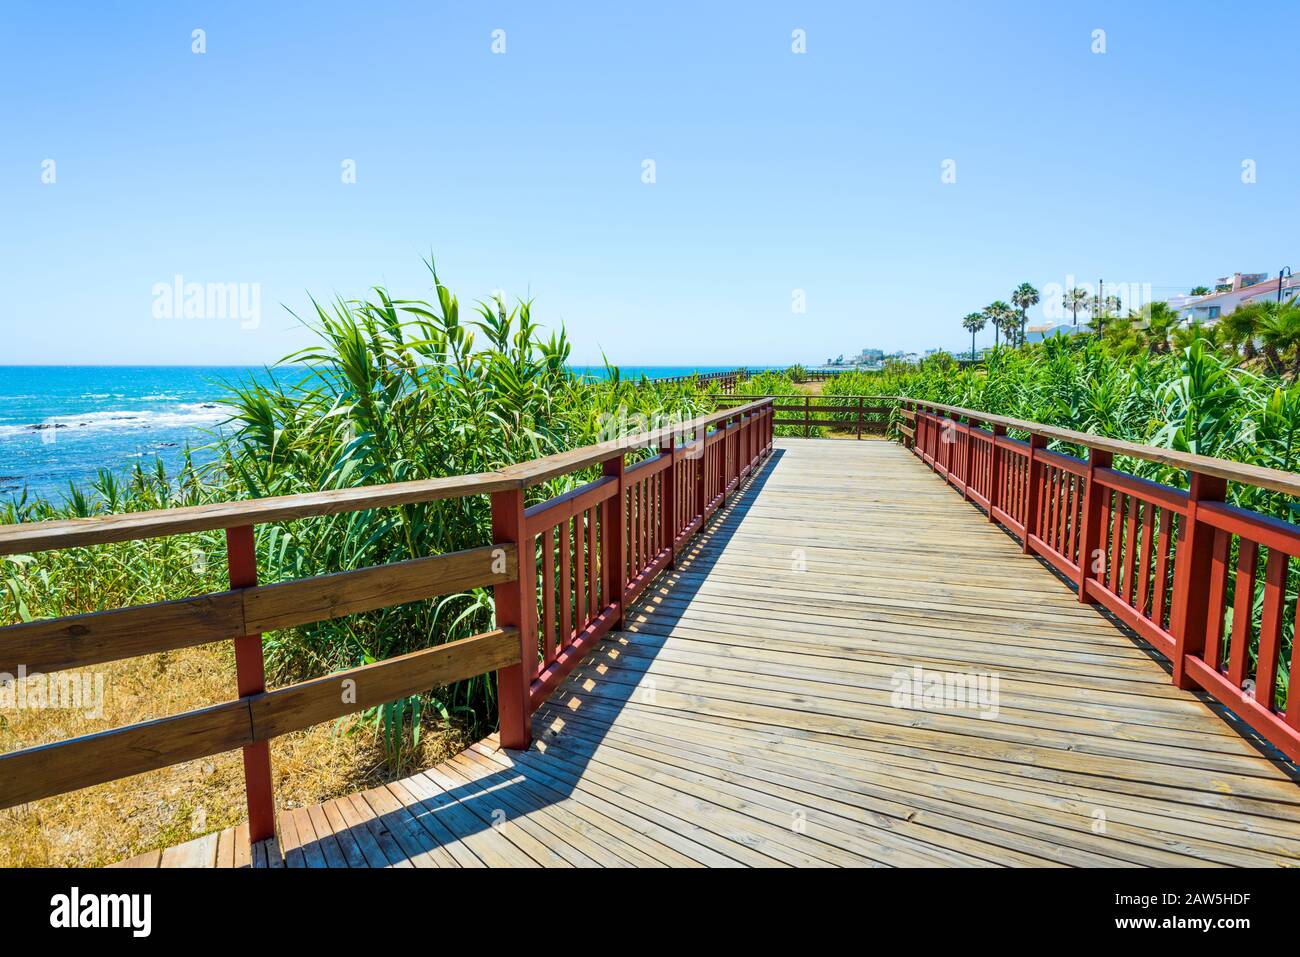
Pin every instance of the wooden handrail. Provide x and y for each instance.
(46, 536)
(1274, 480)
(536, 471)
(75, 641)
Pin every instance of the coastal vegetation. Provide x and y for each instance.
(393, 390)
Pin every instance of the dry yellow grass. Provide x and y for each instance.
(117, 820)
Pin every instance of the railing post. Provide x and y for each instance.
(1033, 471)
(614, 547)
(859, 433)
(1189, 617)
(1094, 515)
(250, 678)
(807, 417)
(668, 501)
(516, 605)
(701, 483)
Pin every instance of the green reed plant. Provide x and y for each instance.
(392, 390)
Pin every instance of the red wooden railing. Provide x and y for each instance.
(570, 563)
(1157, 557)
(600, 545)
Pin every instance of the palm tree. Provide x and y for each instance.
(1004, 318)
(1073, 299)
(973, 323)
(989, 315)
(1200, 291)
(1161, 319)
(1184, 336)
(1024, 297)
(1010, 321)
(1279, 331)
(1241, 327)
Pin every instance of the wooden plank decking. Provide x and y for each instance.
(746, 716)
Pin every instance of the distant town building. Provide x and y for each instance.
(1231, 292)
(869, 358)
(1046, 331)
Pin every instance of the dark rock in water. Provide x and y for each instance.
(11, 478)
(42, 426)
(165, 445)
(208, 405)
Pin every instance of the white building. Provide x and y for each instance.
(1232, 292)
(1046, 331)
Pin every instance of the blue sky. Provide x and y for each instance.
(774, 171)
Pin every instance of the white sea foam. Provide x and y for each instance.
(179, 416)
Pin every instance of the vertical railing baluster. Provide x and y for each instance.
(669, 519)
(700, 472)
(548, 596)
(613, 557)
(580, 618)
(566, 583)
(1243, 603)
(1272, 612)
(967, 440)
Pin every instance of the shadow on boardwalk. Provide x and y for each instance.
(445, 814)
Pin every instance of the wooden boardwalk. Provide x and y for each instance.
(750, 715)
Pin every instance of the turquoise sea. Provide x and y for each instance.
(61, 424)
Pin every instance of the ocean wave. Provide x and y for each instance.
(181, 416)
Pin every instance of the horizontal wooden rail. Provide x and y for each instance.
(40, 772)
(1274, 480)
(323, 699)
(1181, 568)
(76, 641)
(129, 526)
